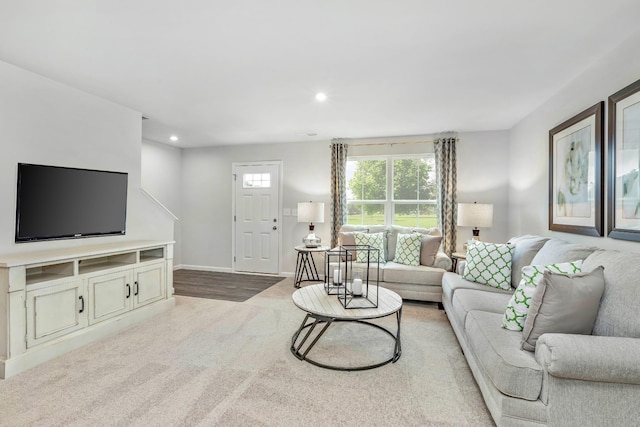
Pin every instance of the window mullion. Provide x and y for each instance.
(389, 208)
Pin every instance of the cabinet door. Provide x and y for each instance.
(55, 311)
(149, 284)
(109, 295)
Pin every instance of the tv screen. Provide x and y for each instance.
(65, 203)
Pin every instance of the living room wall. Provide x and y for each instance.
(529, 142)
(45, 122)
(161, 177)
(206, 213)
(206, 216)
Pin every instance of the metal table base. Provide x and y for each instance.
(302, 354)
(305, 265)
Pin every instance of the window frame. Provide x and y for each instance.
(390, 203)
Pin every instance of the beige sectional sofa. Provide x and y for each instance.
(422, 282)
(570, 379)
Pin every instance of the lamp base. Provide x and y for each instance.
(311, 240)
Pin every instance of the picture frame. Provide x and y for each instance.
(624, 164)
(576, 173)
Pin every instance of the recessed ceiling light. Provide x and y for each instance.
(321, 96)
(173, 138)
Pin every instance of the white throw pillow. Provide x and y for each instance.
(489, 264)
(376, 241)
(518, 307)
(408, 249)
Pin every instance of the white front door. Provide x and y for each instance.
(256, 219)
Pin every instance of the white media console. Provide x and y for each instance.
(55, 301)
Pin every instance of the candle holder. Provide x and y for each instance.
(359, 280)
(334, 271)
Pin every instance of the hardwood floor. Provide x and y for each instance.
(224, 286)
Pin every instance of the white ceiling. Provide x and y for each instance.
(221, 72)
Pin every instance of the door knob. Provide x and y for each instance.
(275, 228)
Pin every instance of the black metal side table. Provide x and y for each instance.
(306, 266)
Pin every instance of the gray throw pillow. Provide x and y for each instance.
(556, 250)
(526, 248)
(565, 304)
(428, 249)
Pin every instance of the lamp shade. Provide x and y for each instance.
(475, 215)
(311, 212)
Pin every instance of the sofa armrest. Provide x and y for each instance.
(443, 261)
(590, 357)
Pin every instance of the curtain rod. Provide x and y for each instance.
(390, 143)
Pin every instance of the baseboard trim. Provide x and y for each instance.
(224, 270)
(202, 268)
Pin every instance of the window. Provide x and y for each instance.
(256, 180)
(392, 190)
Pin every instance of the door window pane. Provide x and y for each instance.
(256, 180)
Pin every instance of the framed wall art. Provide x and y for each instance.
(576, 174)
(624, 163)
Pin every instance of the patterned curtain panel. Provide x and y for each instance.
(445, 151)
(338, 189)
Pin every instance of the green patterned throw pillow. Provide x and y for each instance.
(518, 308)
(375, 240)
(489, 264)
(408, 249)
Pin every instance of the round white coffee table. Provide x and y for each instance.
(325, 309)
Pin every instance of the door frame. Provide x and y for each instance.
(234, 177)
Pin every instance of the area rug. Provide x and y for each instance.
(219, 285)
(222, 363)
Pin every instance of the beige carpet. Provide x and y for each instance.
(222, 363)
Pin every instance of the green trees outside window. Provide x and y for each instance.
(392, 190)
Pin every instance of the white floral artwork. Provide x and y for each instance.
(574, 186)
(575, 174)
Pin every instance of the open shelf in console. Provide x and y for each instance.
(91, 265)
(151, 254)
(47, 272)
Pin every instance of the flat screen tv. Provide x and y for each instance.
(66, 203)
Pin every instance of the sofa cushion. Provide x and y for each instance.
(489, 264)
(526, 247)
(564, 304)
(516, 313)
(408, 249)
(347, 238)
(452, 282)
(375, 273)
(429, 247)
(467, 300)
(419, 275)
(373, 240)
(513, 371)
(618, 313)
(556, 250)
(369, 229)
(394, 230)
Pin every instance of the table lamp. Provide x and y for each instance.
(311, 212)
(475, 215)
